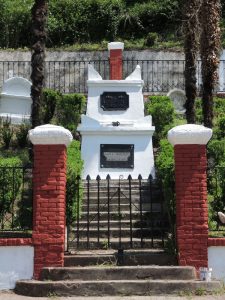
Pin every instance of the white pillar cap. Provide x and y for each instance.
(115, 45)
(50, 135)
(189, 134)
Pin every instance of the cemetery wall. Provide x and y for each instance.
(89, 55)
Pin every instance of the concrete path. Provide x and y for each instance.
(8, 295)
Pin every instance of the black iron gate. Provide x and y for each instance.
(119, 214)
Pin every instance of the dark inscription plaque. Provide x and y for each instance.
(114, 101)
(116, 156)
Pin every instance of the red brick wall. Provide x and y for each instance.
(16, 242)
(191, 205)
(115, 59)
(49, 184)
(216, 242)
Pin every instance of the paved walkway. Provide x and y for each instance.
(8, 295)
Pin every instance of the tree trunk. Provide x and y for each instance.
(191, 30)
(39, 18)
(210, 49)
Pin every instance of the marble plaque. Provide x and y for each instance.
(116, 156)
(113, 101)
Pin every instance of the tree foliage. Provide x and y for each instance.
(76, 21)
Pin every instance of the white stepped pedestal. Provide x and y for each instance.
(120, 126)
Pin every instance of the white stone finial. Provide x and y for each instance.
(189, 134)
(93, 74)
(115, 45)
(136, 74)
(50, 135)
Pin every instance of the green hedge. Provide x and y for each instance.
(162, 111)
(73, 185)
(49, 101)
(68, 111)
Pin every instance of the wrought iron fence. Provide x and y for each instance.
(71, 76)
(216, 183)
(15, 200)
(119, 214)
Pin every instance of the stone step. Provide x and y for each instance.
(130, 257)
(116, 191)
(114, 243)
(123, 215)
(116, 232)
(112, 272)
(154, 207)
(116, 183)
(113, 194)
(124, 222)
(112, 287)
(135, 200)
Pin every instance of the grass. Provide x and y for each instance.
(202, 292)
(138, 44)
(217, 233)
(133, 44)
(52, 295)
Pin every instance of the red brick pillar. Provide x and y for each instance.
(49, 184)
(115, 60)
(191, 193)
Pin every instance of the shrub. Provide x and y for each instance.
(49, 100)
(6, 132)
(219, 107)
(73, 185)
(142, 18)
(15, 12)
(151, 39)
(24, 216)
(21, 135)
(162, 111)
(10, 182)
(216, 152)
(165, 171)
(68, 111)
(217, 188)
(198, 111)
(74, 21)
(82, 21)
(221, 128)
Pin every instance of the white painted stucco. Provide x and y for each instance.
(115, 45)
(134, 128)
(133, 87)
(189, 134)
(15, 100)
(16, 262)
(140, 137)
(216, 261)
(50, 135)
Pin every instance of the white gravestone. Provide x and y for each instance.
(179, 98)
(15, 101)
(116, 136)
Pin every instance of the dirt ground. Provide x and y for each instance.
(9, 295)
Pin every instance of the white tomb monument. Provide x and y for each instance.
(15, 101)
(116, 136)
